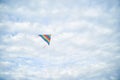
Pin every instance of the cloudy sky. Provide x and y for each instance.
(84, 45)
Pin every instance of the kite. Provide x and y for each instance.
(46, 38)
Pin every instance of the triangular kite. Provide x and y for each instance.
(46, 38)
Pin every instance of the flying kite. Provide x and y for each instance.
(46, 38)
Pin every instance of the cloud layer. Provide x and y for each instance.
(84, 46)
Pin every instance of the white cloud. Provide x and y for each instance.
(83, 46)
(5, 63)
(56, 73)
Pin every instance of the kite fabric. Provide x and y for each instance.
(46, 38)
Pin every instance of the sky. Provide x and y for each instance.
(84, 45)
